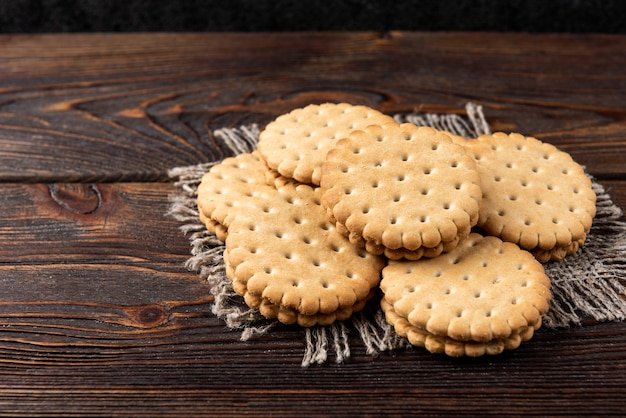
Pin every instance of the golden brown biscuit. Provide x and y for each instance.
(295, 144)
(533, 194)
(401, 190)
(449, 346)
(226, 187)
(483, 290)
(284, 250)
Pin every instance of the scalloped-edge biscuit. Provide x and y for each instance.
(295, 144)
(284, 249)
(534, 195)
(290, 316)
(287, 315)
(483, 290)
(449, 346)
(227, 187)
(401, 190)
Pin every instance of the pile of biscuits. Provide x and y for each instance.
(340, 201)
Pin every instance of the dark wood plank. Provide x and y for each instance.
(104, 107)
(100, 317)
(228, 377)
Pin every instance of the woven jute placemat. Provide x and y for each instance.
(586, 285)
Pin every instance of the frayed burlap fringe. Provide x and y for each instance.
(588, 284)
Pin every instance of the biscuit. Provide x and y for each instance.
(227, 186)
(533, 194)
(483, 290)
(401, 190)
(295, 144)
(291, 316)
(451, 347)
(284, 250)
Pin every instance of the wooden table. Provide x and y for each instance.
(98, 315)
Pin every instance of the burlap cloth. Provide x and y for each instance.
(587, 285)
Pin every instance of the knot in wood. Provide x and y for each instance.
(78, 198)
(150, 316)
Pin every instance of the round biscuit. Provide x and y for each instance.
(226, 187)
(449, 346)
(295, 144)
(534, 195)
(290, 316)
(285, 250)
(484, 289)
(401, 190)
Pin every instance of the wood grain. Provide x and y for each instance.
(99, 315)
(129, 107)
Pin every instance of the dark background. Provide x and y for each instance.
(38, 16)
